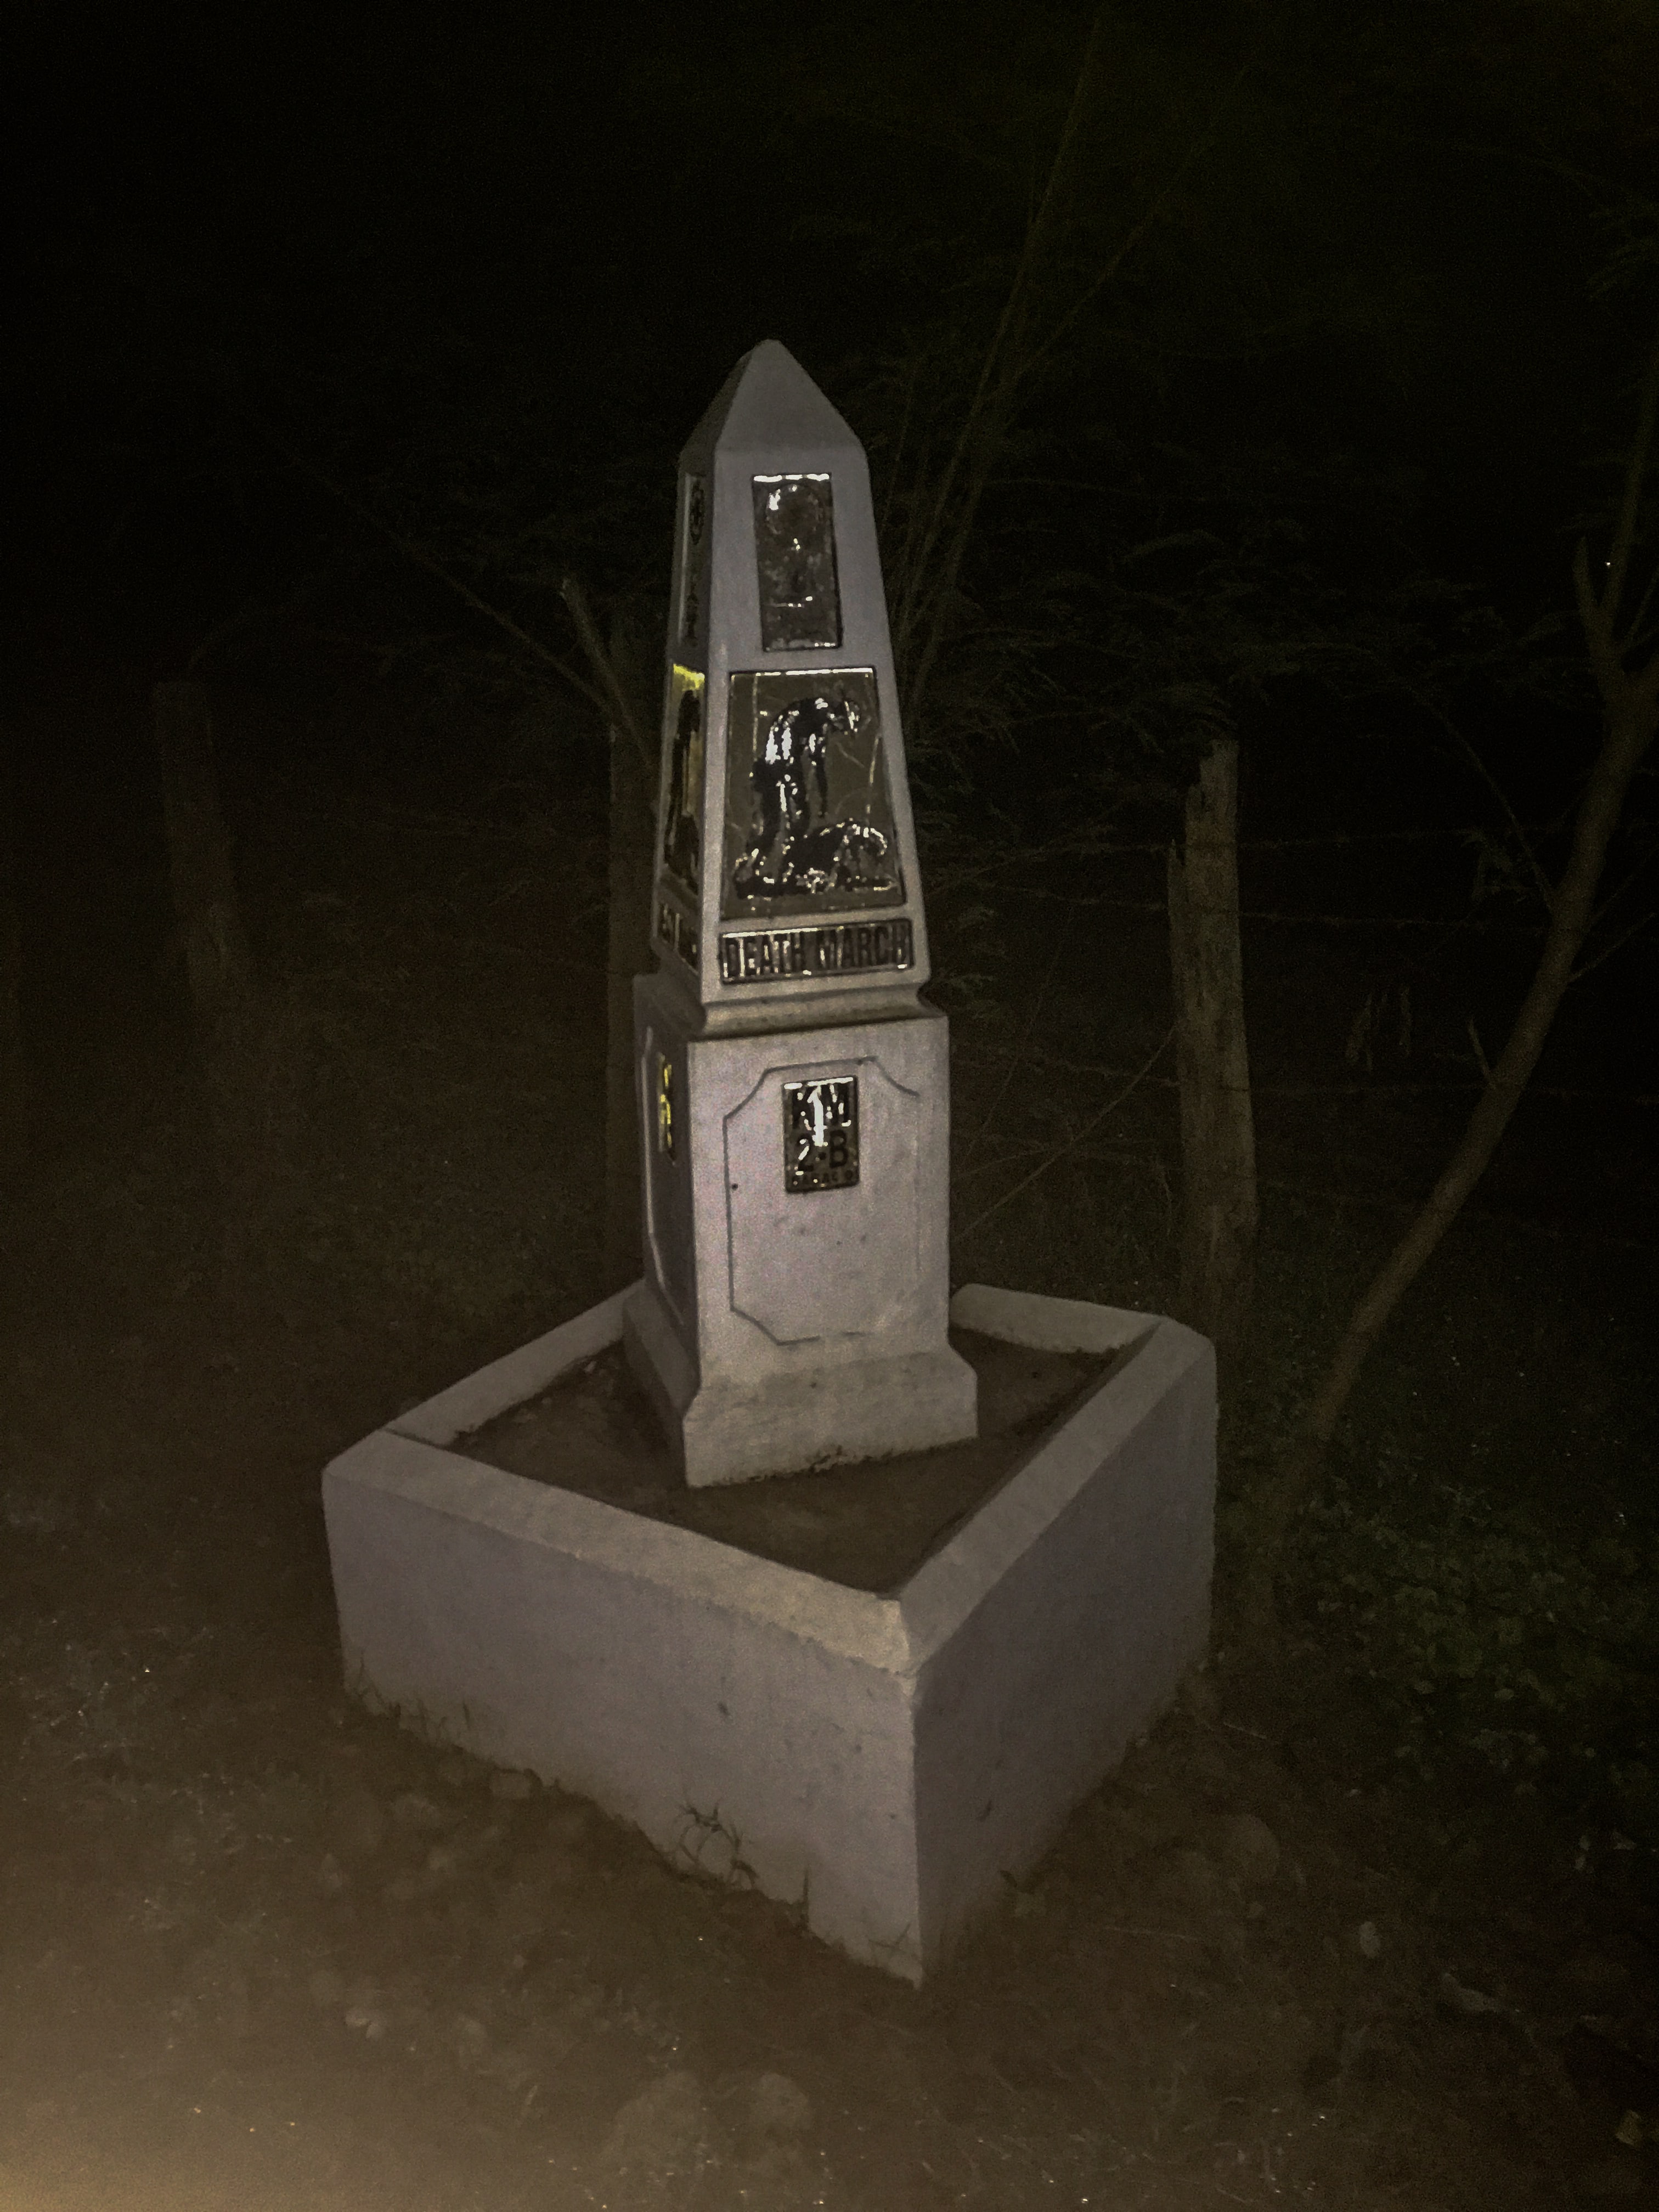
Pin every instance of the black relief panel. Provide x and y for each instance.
(809, 816)
(795, 563)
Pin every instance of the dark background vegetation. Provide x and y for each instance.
(1238, 370)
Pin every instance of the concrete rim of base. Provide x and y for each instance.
(904, 1625)
(884, 1761)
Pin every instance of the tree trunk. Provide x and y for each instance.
(14, 1073)
(1218, 1131)
(219, 966)
(216, 955)
(636, 638)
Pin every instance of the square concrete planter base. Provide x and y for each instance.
(752, 1691)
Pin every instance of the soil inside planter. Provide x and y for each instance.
(868, 1524)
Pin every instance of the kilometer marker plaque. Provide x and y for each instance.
(820, 1134)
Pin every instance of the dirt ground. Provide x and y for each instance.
(260, 1950)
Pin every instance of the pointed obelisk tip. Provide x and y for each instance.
(768, 402)
(771, 362)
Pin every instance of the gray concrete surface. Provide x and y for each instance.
(775, 1330)
(877, 1762)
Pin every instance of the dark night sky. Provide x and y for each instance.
(527, 246)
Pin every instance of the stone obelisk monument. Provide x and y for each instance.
(888, 1752)
(793, 1090)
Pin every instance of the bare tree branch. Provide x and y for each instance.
(418, 554)
(1630, 702)
(1624, 536)
(620, 707)
(1072, 1143)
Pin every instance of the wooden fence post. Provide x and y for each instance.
(216, 955)
(220, 965)
(14, 1070)
(636, 656)
(1218, 1131)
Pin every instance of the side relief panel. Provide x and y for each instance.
(667, 1181)
(682, 825)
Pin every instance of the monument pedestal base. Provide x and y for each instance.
(736, 1431)
(877, 1757)
(782, 1323)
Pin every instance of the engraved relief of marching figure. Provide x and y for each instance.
(794, 847)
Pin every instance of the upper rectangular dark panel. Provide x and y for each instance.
(795, 561)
